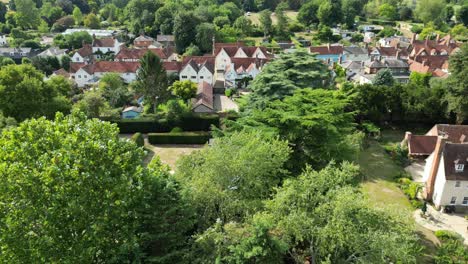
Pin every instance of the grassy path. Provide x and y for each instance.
(379, 170)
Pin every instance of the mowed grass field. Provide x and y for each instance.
(254, 17)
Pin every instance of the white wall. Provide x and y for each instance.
(3, 40)
(444, 190)
(205, 75)
(77, 57)
(82, 77)
(188, 73)
(222, 60)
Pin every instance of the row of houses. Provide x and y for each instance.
(398, 54)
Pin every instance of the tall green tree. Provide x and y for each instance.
(152, 80)
(185, 30)
(384, 77)
(77, 16)
(86, 198)
(457, 90)
(27, 14)
(114, 90)
(429, 10)
(204, 37)
(282, 24)
(281, 77)
(313, 121)
(230, 179)
(25, 94)
(308, 13)
(265, 22)
(92, 21)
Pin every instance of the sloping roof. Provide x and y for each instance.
(171, 66)
(144, 38)
(75, 66)
(455, 154)
(453, 133)
(204, 95)
(104, 42)
(356, 50)
(421, 144)
(329, 49)
(169, 38)
(52, 51)
(133, 108)
(86, 50)
(136, 54)
(111, 66)
(62, 72)
(197, 62)
(246, 62)
(444, 44)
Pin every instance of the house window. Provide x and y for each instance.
(201, 77)
(79, 76)
(184, 76)
(453, 200)
(85, 76)
(193, 77)
(459, 167)
(465, 201)
(457, 184)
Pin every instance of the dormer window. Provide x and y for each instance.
(459, 167)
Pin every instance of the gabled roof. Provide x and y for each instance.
(75, 66)
(356, 50)
(204, 95)
(144, 38)
(104, 42)
(197, 62)
(246, 63)
(86, 50)
(136, 54)
(327, 50)
(111, 66)
(62, 72)
(455, 154)
(133, 108)
(453, 133)
(52, 52)
(172, 66)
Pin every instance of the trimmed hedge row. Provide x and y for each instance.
(192, 123)
(179, 138)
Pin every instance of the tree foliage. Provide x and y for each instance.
(184, 89)
(457, 90)
(283, 76)
(152, 80)
(86, 198)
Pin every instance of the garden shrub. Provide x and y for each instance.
(445, 235)
(177, 130)
(138, 139)
(179, 138)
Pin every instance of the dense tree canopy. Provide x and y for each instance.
(25, 94)
(457, 88)
(283, 76)
(87, 197)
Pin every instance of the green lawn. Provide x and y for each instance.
(379, 187)
(254, 17)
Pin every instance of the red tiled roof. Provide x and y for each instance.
(111, 66)
(104, 42)
(136, 54)
(454, 133)
(246, 62)
(75, 66)
(198, 62)
(455, 154)
(172, 65)
(62, 72)
(329, 49)
(421, 145)
(86, 50)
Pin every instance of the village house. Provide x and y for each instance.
(105, 45)
(143, 42)
(223, 52)
(128, 54)
(203, 101)
(53, 52)
(329, 53)
(241, 68)
(432, 56)
(88, 74)
(99, 33)
(445, 171)
(16, 54)
(165, 41)
(84, 54)
(382, 53)
(132, 112)
(198, 69)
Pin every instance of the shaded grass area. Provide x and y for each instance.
(169, 154)
(254, 17)
(379, 171)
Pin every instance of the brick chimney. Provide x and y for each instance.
(437, 38)
(406, 140)
(413, 38)
(434, 168)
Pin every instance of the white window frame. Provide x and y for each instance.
(457, 184)
(459, 167)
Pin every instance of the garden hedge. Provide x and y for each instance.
(200, 137)
(190, 123)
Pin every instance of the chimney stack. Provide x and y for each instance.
(434, 168)
(413, 38)
(438, 38)
(406, 140)
(427, 41)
